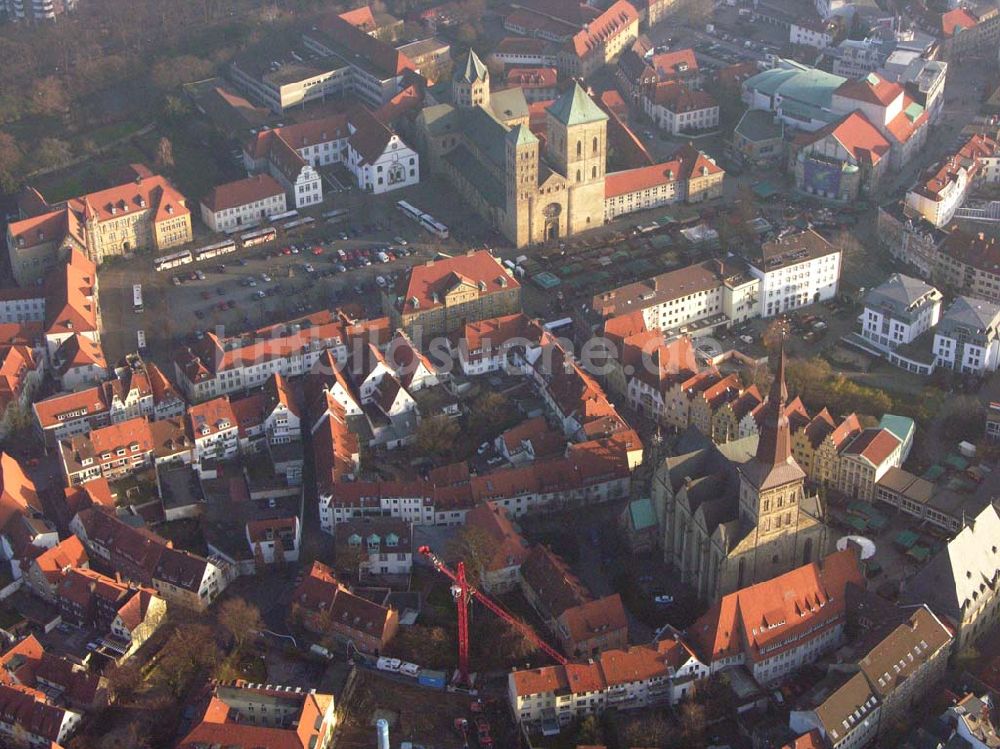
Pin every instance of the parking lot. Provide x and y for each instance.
(250, 288)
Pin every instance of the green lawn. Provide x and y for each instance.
(102, 136)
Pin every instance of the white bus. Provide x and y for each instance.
(409, 211)
(435, 227)
(260, 236)
(299, 223)
(283, 216)
(336, 217)
(214, 250)
(166, 262)
(137, 297)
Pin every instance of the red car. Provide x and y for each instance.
(317, 250)
(221, 306)
(286, 250)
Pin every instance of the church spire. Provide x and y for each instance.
(775, 445)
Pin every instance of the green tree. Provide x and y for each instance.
(10, 162)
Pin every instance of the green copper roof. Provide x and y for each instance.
(575, 107)
(519, 135)
(642, 513)
(902, 427)
(473, 70)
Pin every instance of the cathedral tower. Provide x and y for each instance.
(521, 177)
(577, 148)
(470, 83)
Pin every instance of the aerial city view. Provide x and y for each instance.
(500, 374)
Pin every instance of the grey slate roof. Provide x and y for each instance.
(978, 318)
(902, 296)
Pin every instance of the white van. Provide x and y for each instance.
(410, 669)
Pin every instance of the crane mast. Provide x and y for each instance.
(463, 593)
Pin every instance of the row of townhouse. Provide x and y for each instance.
(879, 691)
(139, 388)
(662, 673)
(217, 366)
(595, 471)
(67, 683)
(126, 613)
(840, 455)
(943, 189)
(144, 558)
(903, 322)
(29, 718)
(789, 272)
(55, 327)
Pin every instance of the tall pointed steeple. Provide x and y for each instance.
(773, 464)
(775, 445)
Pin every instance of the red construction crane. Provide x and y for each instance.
(463, 592)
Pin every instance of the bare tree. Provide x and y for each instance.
(240, 619)
(164, 153)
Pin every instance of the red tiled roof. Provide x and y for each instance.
(902, 127)
(361, 18)
(977, 250)
(214, 416)
(430, 282)
(388, 61)
(532, 77)
(872, 89)
(612, 22)
(592, 618)
(509, 549)
(676, 63)
(242, 192)
(769, 616)
(857, 135)
(17, 491)
(874, 445)
(956, 20)
(686, 162)
(67, 553)
(69, 298)
(678, 98)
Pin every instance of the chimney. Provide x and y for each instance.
(719, 267)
